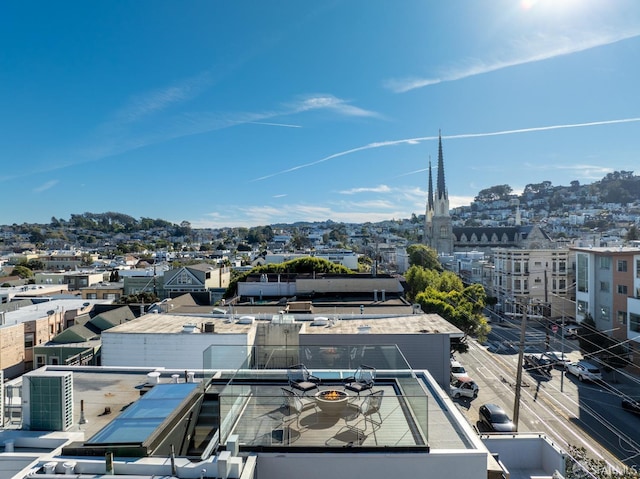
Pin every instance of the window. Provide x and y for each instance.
(604, 286)
(443, 232)
(634, 322)
(562, 284)
(562, 266)
(622, 265)
(28, 340)
(638, 268)
(92, 296)
(604, 313)
(582, 273)
(605, 262)
(583, 307)
(622, 317)
(184, 278)
(40, 360)
(622, 289)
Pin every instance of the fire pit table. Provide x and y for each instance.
(331, 402)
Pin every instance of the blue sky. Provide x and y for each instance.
(244, 113)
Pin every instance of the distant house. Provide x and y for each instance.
(80, 343)
(204, 280)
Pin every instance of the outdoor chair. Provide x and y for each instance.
(294, 405)
(301, 379)
(363, 379)
(368, 412)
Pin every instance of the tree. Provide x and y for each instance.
(423, 256)
(580, 466)
(633, 234)
(459, 308)
(35, 265)
(22, 271)
(498, 192)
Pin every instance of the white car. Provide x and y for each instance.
(457, 369)
(584, 371)
(463, 386)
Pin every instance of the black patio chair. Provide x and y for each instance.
(301, 379)
(363, 379)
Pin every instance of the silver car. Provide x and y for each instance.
(584, 371)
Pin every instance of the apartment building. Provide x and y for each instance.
(540, 278)
(608, 289)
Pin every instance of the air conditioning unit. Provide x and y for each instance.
(47, 400)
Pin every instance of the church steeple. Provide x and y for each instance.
(430, 197)
(441, 189)
(438, 228)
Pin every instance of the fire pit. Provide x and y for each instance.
(331, 401)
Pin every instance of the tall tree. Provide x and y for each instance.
(423, 256)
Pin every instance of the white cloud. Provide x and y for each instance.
(45, 186)
(547, 47)
(329, 102)
(162, 98)
(375, 189)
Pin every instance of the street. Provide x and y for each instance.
(568, 411)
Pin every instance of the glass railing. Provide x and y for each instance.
(275, 415)
(253, 383)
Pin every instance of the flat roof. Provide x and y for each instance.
(354, 324)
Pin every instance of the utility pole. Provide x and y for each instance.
(523, 335)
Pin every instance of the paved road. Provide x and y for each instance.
(567, 411)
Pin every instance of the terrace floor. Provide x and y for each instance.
(266, 421)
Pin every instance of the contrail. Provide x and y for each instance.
(272, 124)
(413, 141)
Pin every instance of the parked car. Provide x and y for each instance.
(457, 369)
(463, 386)
(631, 405)
(584, 371)
(558, 359)
(495, 419)
(538, 362)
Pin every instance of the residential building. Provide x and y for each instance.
(259, 287)
(204, 279)
(80, 343)
(608, 289)
(233, 424)
(80, 279)
(28, 326)
(541, 279)
(67, 260)
(103, 290)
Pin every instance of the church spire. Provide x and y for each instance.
(441, 189)
(430, 197)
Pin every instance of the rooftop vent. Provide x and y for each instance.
(320, 321)
(190, 328)
(246, 319)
